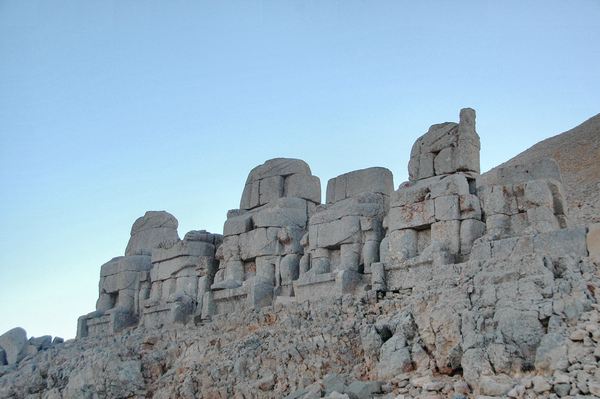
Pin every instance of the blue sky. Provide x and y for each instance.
(111, 108)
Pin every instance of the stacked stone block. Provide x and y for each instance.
(344, 235)
(524, 199)
(436, 215)
(160, 280)
(261, 248)
(182, 272)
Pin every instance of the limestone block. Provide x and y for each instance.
(470, 230)
(150, 230)
(120, 264)
(545, 168)
(378, 276)
(278, 167)
(466, 158)
(519, 223)
(230, 248)
(384, 249)
(498, 199)
(402, 245)
(470, 207)
(455, 184)
(593, 241)
(538, 193)
(250, 196)
(443, 162)
(238, 225)
(265, 268)
(409, 194)
(320, 265)
(119, 281)
(447, 208)
(560, 243)
(14, 342)
(260, 294)
(344, 230)
(415, 215)
(370, 254)
(426, 166)
(259, 242)
(270, 189)
(182, 248)
(542, 219)
(370, 180)
(365, 205)
(350, 256)
(282, 212)
(497, 225)
(446, 236)
(303, 186)
(289, 268)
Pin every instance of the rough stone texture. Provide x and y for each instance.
(452, 286)
(446, 148)
(151, 230)
(14, 343)
(576, 151)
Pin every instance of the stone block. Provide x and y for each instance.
(593, 241)
(420, 214)
(182, 248)
(455, 184)
(447, 208)
(443, 162)
(426, 168)
(14, 342)
(342, 231)
(120, 264)
(250, 196)
(238, 225)
(446, 236)
(303, 186)
(278, 167)
(270, 189)
(370, 180)
(281, 213)
(542, 219)
(259, 242)
(265, 268)
(402, 245)
(370, 254)
(497, 225)
(470, 207)
(560, 243)
(350, 256)
(537, 193)
(498, 200)
(409, 195)
(151, 230)
(470, 230)
(466, 157)
(289, 268)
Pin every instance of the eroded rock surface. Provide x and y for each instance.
(453, 285)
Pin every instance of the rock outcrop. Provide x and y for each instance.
(576, 152)
(453, 285)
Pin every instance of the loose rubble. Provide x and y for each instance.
(454, 285)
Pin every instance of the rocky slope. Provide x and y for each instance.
(577, 152)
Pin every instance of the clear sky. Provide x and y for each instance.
(109, 108)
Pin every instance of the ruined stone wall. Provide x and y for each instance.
(450, 284)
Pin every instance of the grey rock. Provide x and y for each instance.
(14, 342)
(151, 230)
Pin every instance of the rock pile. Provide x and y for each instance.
(14, 346)
(453, 285)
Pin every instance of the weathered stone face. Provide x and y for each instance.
(149, 231)
(277, 178)
(446, 148)
(451, 285)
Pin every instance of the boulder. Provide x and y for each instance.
(14, 342)
(149, 231)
